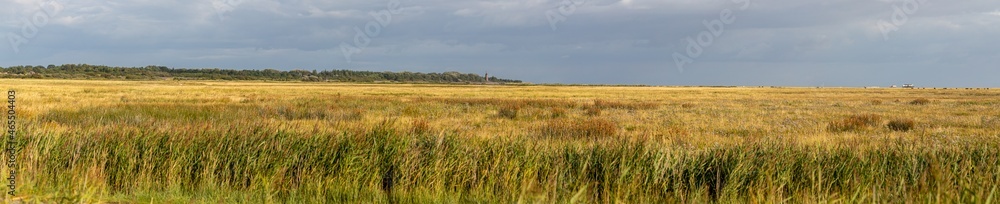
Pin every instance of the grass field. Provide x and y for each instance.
(262, 142)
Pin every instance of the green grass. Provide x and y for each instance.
(256, 163)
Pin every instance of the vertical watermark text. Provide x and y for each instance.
(11, 142)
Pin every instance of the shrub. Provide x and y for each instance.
(902, 125)
(411, 111)
(558, 112)
(587, 128)
(855, 123)
(355, 114)
(593, 110)
(509, 111)
(920, 101)
(608, 104)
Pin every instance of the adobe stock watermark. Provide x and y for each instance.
(900, 16)
(30, 25)
(11, 142)
(223, 7)
(714, 29)
(566, 9)
(363, 37)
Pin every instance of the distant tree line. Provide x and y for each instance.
(85, 71)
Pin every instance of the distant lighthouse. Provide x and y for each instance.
(487, 76)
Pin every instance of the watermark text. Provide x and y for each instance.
(566, 9)
(900, 16)
(32, 24)
(11, 142)
(223, 7)
(363, 37)
(715, 28)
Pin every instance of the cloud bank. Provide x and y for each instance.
(763, 42)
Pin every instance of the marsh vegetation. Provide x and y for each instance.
(211, 142)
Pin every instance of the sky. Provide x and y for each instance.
(653, 42)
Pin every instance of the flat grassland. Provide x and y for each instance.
(268, 142)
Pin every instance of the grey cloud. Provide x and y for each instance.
(773, 42)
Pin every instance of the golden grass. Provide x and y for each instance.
(263, 142)
(592, 110)
(558, 112)
(604, 104)
(920, 101)
(591, 128)
(420, 126)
